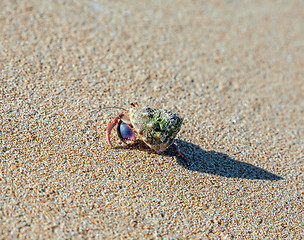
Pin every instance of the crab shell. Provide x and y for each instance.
(156, 127)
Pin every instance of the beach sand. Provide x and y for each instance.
(232, 69)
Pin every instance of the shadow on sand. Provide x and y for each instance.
(211, 162)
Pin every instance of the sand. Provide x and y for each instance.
(232, 69)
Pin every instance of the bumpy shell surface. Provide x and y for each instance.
(156, 127)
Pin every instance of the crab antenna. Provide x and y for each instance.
(114, 108)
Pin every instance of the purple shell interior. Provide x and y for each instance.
(126, 131)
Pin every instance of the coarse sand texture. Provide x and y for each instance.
(232, 69)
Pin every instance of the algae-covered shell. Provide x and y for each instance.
(156, 127)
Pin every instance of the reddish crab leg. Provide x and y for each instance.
(124, 117)
(184, 157)
(111, 125)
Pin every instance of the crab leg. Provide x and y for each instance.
(114, 122)
(111, 125)
(183, 156)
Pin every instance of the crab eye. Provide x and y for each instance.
(125, 131)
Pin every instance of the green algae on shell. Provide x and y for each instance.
(157, 127)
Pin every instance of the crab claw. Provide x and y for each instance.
(125, 131)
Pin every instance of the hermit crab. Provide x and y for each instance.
(157, 128)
